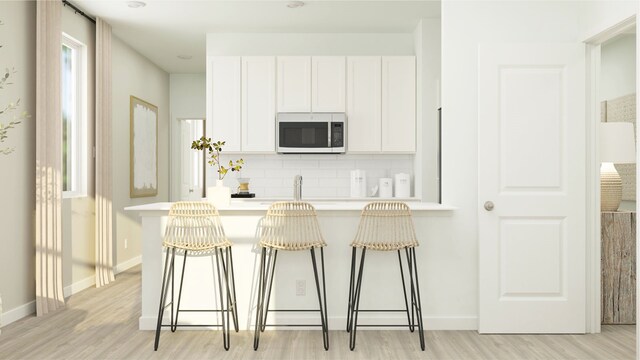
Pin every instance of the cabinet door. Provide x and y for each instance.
(398, 104)
(258, 103)
(364, 103)
(294, 84)
(328, 84)
(223, 101)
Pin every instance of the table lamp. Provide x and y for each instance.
(617, 146)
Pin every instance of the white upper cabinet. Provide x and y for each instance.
(364, 103)
(258, 103)
(398, 104)
(294, 83)
(223, 101)
(328, 84)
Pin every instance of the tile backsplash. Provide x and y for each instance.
(324, 176)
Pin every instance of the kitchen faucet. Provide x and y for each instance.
(297, 188)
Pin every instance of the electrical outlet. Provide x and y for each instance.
(126, 243)
(301, 288)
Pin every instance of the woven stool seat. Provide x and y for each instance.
(291, 225)
(386, 226)
(194, 226)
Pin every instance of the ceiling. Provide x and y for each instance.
(164, 29)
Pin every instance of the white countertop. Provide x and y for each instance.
(320, 205)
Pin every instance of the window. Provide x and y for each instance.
(74, 118)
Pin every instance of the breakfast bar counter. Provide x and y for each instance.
(294, 285)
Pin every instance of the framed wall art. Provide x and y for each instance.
(143, 162)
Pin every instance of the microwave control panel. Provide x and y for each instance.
(337, 134)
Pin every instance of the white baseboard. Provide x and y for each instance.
(78, 286)
(340, 322)
(123, 266)
(18, 313)
(29, 308)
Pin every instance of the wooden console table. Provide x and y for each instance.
(618, 267)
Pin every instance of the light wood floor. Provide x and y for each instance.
(103, 324)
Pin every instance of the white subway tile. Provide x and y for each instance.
(318, 173)
(281, 173)
(251, 173)
(334, 182)
(343, 192)
(336, 164)
(266, 182)
(319, 157)
(401, 164)
(373, 164)
(264, 164)
(278, 192)
(343, 173)
(309, 182)
(288, 156)
(318, 192)
(300, 164)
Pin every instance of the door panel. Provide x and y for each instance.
(328, 84)
(531, 156)
(364, 103)
(399, 104)
(294, 84)
(223, 101)
(258, 103)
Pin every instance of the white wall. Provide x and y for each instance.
(465, 24)
(78, 214)
(188, 101)
(309, 44)
(428, 53)
(597, 16)
(135, 75)
(618, 67)
(17, 182)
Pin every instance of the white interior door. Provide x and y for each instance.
(191, 161)
(531, 149)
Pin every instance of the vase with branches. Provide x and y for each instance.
(219, 195)
(214, 149)
(9, 111)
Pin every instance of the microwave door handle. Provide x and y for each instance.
(329, 134)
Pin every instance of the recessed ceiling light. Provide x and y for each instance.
(295, 4)
(185, 57)
(136, 4)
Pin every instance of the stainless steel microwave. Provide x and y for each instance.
(316, 133)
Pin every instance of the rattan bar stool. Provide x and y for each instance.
(385, 226)
(289, 226)
(195, 228)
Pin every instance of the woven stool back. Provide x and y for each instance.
(194, 226)
(291, 225)
(386, 226)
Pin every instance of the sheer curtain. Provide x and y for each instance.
(104, 213)
(49, 295)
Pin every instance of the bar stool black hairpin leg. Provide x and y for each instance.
(223, 312)
(174, 324)
(351, 292)
(233, 287)
(410, 319)
(168, 272)
(356, 303)
(418, 304)
(261, 280)
(271, 268)
(323, 308)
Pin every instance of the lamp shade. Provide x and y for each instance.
(617, 143)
